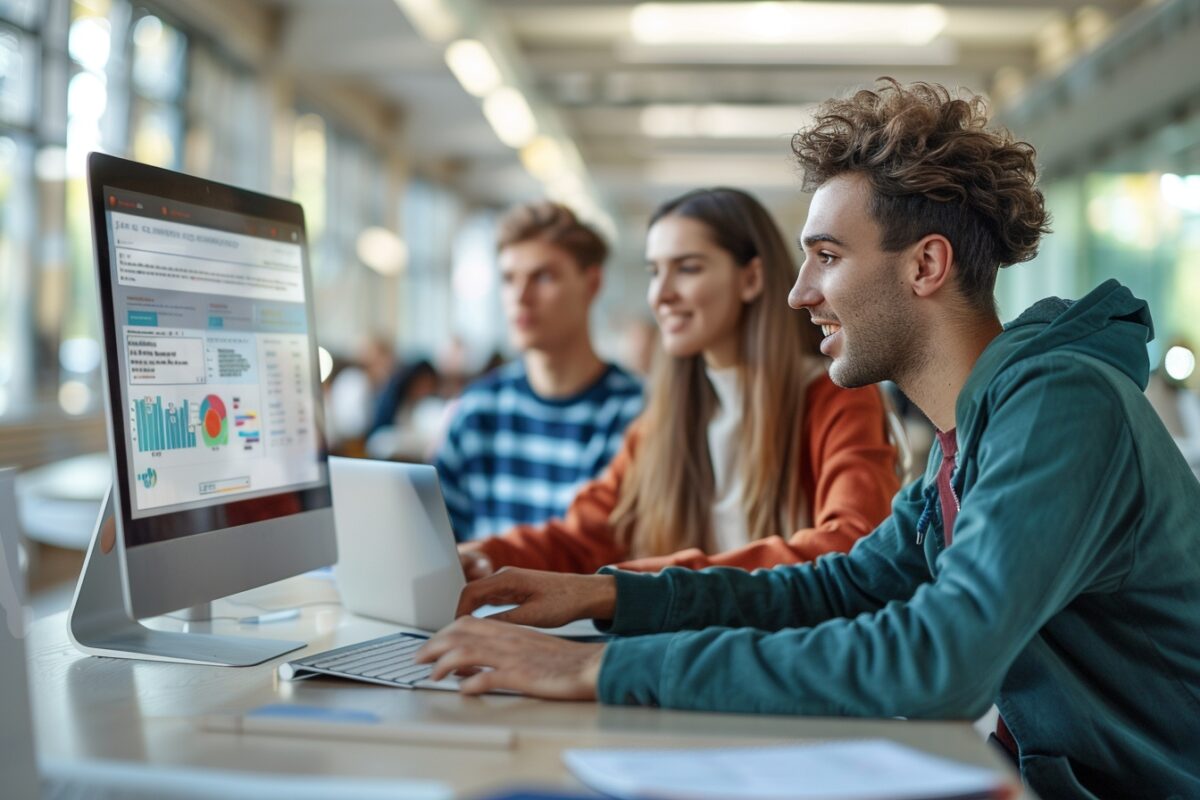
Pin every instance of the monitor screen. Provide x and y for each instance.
(215, 359)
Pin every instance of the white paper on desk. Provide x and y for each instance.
(862, 769)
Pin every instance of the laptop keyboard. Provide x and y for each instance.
(387, 660)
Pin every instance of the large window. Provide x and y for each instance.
(74, 77)
(1141, 228)
(229, 136)
(16, 249)
(1144, 230)
(344, 187)
(431, 215)
(124, 77)
(22, 28)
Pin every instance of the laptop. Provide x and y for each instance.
(397, 562)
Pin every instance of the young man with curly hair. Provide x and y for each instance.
(1047, 561)
(527, 436)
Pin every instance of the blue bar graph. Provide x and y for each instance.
(161, 428)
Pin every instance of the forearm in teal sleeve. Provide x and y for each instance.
(883, 566)
(941, 655)
(631, 670)
(683, 599)
(943, 652)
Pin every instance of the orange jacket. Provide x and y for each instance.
(848, 475)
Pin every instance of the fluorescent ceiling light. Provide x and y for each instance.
(680, 172)
(510, 116)
(718, 121)
(1180, 363)
(382, 250)
(432, 18)
(817, 23)
(544, 158)
(474, 67)
(567, 188)
(939, 52)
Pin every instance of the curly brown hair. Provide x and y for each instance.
(934, 167)
(554, 223)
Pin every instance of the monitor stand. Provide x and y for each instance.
(99, 625)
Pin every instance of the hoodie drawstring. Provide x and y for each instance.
(930, 497)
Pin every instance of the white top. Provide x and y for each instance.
(729, 515)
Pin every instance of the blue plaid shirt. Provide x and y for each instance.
(511, 457)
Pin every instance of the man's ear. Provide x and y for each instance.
(931, 261)
(594, 276)
(751, 278)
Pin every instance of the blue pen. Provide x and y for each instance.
(271, 616)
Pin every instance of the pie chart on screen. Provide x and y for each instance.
(214, 426)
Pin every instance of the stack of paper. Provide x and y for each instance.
(851, 770)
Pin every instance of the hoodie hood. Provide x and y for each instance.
(1108, 323)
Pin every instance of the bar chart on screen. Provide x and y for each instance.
(171, 421)
(162, 426)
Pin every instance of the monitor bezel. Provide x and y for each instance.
(118, 173)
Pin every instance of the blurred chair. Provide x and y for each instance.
(58, 502)
(17, 762)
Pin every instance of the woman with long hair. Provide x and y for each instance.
(747, 454)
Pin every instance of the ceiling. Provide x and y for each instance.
(652, 118)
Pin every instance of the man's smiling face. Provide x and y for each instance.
(855, 290)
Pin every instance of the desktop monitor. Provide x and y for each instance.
(212, 387)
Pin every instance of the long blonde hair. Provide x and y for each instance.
(665, 502)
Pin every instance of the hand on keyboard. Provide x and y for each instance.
(387, 660)
(513, 658)
(543, 599)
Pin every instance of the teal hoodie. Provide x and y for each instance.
(1070, 596)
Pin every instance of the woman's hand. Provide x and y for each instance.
(475, 564)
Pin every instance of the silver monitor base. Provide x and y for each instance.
(99, 625)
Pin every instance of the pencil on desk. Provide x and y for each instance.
(313, 727)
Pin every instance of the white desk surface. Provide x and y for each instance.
(86, 708)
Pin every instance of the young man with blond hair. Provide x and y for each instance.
(526, 436)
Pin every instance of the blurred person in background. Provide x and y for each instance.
(454, 366)
(408, 414)
(1176, 403)
(526, 436)
(747, 454)
(411, 383)
(354, 392)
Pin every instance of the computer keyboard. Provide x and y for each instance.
(387, 660)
